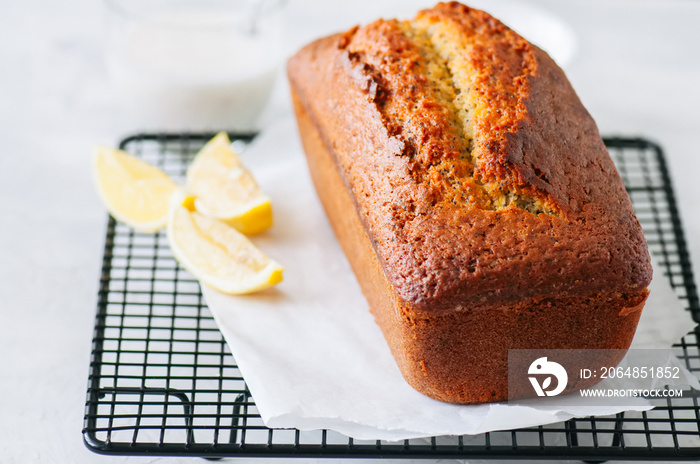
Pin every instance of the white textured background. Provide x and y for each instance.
(636, 68)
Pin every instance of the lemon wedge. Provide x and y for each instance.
(225, 189)
(216, 253)
(134, 192)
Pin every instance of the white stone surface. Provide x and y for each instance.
(636, 68)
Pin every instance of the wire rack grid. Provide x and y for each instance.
(162, 380)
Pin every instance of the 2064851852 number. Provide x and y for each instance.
(638, 372)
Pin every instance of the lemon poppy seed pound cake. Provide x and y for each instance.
(472, 194)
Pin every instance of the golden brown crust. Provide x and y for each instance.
(480, 181)
(461, 356)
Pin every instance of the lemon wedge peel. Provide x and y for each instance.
(217, 254)
(226, 190)
(134, 192)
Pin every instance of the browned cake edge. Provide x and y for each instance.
(459, 356)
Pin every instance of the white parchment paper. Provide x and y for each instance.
(312, 355)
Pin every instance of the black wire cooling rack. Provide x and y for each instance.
(163, 382)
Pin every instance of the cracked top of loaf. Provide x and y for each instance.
(478, 174)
